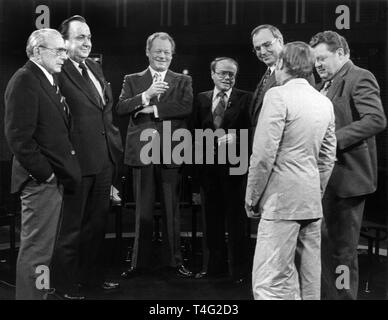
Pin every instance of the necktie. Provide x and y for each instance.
(259, 90)
(157, 78)
(62, 99)
(326, 87)
(90, 83)
(218, 113)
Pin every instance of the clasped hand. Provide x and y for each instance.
(156, 89)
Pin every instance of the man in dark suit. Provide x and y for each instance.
(98, 145)
(359, 116)
(267, 43)
(224, 107)
(156, 98)
(37, 125)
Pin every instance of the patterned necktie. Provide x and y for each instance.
(326, 87)
(89, 81)
(62, 99)
(262, 84)
(218, 113)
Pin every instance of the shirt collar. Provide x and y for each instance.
(76, 65)
(48, 75)
(162, 73)
(216, 91)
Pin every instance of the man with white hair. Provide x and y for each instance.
(44, 163)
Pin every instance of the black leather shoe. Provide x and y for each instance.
(110, 286)
(201, 275)
(73, 296)
(131, 272)
(182, 271)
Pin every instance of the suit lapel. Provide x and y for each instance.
(79, 81)
(271, 82)
(48, 88)
(170, 79)
(338, 81)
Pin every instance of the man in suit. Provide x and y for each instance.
(98, 145)
(359, 116)
(293, 156)
(224, 107)
(267, 43)
(156, 98)
(37, 125)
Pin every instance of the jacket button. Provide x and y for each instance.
(72, 152)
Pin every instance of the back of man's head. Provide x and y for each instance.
(298, 59)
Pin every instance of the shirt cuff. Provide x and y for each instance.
(50, 178)
(156, 114)
(144, 100)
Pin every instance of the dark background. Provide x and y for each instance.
(202, 30)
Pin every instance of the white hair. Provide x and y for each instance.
(39, 38)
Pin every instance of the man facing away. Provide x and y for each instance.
(37, 126)
(359, 116)
(225, 107)
(154, 99)
(77, 259)
(293, 156)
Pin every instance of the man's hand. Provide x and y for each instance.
(227, 138)
(148, 109)
(156, 89)
(250, 210)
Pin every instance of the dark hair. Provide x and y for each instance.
(332, 39)
(216, 60)
(298, 58)
(160, 35)
(275, 31)
(64, 27)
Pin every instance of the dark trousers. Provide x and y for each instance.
(223, 202)
(147, 182)
(77, 256)
(340, 236)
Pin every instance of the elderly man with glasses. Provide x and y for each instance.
(45, 165)
(224, 107)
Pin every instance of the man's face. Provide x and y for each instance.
(224, 75)
(327, 63)
(267, 47)
(53, 54)
(79, 42)
(160, 54)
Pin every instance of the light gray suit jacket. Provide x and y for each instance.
(293, 152)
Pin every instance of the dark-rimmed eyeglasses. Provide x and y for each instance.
(224, 74)
(58, 51)
(265, 45)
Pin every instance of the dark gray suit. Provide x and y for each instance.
(359, 116)
(37, 130)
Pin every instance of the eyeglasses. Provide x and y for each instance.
(224, 74)
(265, 45)
(57, 51)
(159, 52)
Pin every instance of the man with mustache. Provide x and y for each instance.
(45, 165)
(224, 107)
(98, 145)
(154, 98)
(359, 116)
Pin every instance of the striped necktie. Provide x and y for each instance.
(218, 113)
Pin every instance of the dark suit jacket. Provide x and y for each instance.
(175, 106)
(37, 130)
(359, 116)
(236, 116)
(93, 129)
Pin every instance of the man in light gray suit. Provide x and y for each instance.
(293, 156)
